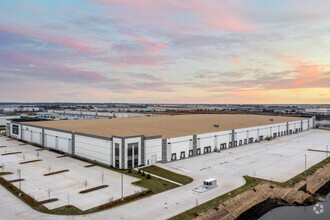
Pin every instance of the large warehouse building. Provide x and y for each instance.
(131, 142)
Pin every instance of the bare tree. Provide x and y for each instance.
(85, 184)
(49, 191)
(102, 177)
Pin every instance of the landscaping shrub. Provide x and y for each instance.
(148, 176)
(143, 174)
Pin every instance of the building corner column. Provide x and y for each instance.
(73, 143)
(143, 150)
(164, 150)
(194, 142)
(232, 137)
(123, 154)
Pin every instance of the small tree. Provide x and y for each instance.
(85, 183)
(129, 170)
(49, 191)
(143, 174)
(139, 171)
(148, 176)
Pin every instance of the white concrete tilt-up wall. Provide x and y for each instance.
(153, 150)
(305, 125)
(32, 134)
(310, 122)
(223, 137)
(93, 148)
(282, 127)
(58, 140)
(213, 140)
(206, 140)
(178, 145)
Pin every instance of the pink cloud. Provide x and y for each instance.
(308, 72)
(135, 59)
(25, 59)
(223, 15)
(149, 45)
(44, 68)
(63, 41)
(235, 61)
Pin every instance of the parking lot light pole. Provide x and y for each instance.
(19, 177)
(305, 163)
(326, 152)
(122, 190)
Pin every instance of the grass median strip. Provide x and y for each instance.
(5, 173)
(16, 180)
(322, 151)
(47, 201)
(167, 174)
(93, 189)
(18, 152)
(56, 172)
(29, 161)
(89, 165)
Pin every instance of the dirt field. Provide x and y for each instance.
(167, 126)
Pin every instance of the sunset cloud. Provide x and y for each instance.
(307, 72)
(149, 45)
(189, 51)
(222, 15)
(63, 41)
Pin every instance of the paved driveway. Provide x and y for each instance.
(280, 160)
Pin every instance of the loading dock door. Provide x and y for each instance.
(173, 156)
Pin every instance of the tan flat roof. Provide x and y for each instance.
(167, 126)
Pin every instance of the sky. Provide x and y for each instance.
(157, 51)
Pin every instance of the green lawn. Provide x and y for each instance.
(168, 174)
(323, 128)
(5, 173)
(154, 184)
(322, 151)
